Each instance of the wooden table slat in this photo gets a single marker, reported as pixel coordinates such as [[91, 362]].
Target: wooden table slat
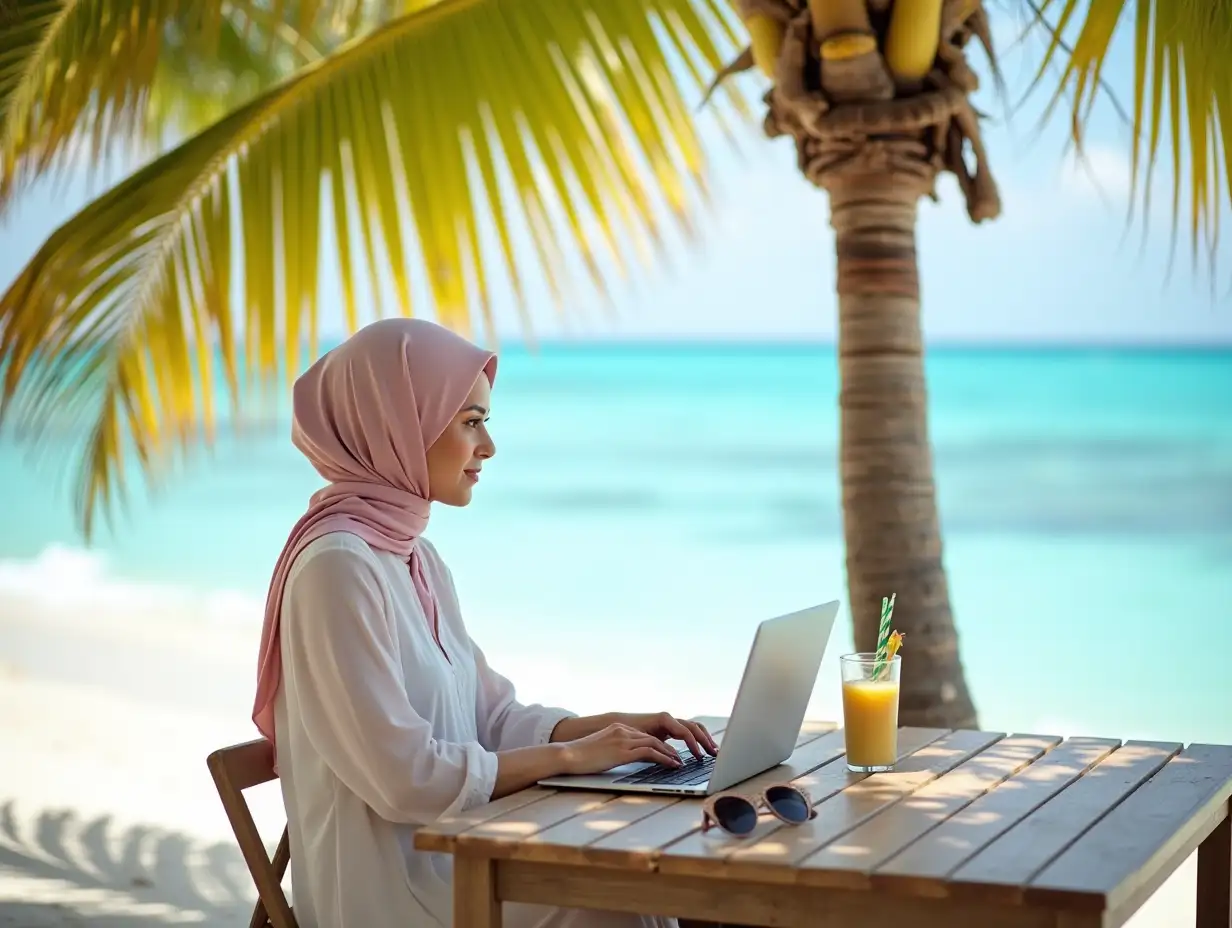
[[442, 834], [774, 851], [561, 841], [947, 847], [523, 824], [1175, 807], [697, 852], [812, 729], [1003, 868], [639, 843], [835, 790], [856, 805], [867, 846]]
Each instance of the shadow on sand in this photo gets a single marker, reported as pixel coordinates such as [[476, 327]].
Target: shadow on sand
[[60, 869]]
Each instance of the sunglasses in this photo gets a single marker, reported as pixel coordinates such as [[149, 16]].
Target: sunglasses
[[737, 814]]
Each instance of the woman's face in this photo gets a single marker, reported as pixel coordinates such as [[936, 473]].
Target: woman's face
[[455, 459]]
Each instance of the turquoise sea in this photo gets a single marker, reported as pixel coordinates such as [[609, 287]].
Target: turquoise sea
[[649, 503]]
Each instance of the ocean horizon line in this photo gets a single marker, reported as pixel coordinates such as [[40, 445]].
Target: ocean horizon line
[[779, 343], [788, 344]]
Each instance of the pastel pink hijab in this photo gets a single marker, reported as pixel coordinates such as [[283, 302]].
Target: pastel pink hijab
[[365, 415]]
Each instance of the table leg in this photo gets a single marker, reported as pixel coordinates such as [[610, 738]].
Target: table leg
[[475, 904], [1215, 877]]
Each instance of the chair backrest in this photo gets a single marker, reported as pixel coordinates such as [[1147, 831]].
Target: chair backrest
[[236, 769]]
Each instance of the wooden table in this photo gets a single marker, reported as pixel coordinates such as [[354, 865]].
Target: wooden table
[[972, 828]]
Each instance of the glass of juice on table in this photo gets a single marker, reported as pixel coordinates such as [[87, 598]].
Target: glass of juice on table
[[870, 711]]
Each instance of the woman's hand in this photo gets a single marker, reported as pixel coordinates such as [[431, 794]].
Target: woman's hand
[[615, 745], [665, 725]]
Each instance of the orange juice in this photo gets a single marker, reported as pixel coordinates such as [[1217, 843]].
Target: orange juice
[[870, 722]]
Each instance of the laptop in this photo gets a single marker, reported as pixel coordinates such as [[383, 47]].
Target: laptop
[[765, 721]]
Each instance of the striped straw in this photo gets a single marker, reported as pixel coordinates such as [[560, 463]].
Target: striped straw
[[883, 636]]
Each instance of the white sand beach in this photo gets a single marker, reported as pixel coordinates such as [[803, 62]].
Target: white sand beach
[[108, 816]]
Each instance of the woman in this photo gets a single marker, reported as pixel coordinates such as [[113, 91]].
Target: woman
[[384, 714]]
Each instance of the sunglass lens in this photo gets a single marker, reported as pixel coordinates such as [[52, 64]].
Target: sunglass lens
[[735, 814], [788, 804]]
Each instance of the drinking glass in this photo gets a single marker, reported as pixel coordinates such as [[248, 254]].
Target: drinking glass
[[870, 711]]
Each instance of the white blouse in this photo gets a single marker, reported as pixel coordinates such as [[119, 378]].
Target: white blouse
[[379, 732]]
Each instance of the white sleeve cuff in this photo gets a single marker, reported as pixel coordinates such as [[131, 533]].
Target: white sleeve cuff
[[481, 771], [548, 721]]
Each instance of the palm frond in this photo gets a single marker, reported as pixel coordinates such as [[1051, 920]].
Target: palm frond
[[197, 83], [76, 70], [1182, 77], [82, 72], [565, 116]]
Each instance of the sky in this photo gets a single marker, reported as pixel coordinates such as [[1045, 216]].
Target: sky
[[1061, 265]]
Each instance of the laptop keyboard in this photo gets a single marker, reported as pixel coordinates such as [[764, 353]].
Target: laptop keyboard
[[693, 771]]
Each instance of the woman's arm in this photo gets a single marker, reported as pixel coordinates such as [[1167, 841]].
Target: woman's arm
[[519, 768], [504, 723], [588, 743], [341, 659]]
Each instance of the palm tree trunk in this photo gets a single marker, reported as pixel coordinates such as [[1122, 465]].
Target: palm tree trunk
[[890, 520]]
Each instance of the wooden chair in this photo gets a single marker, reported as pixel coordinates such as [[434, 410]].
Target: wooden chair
[[236, 769]]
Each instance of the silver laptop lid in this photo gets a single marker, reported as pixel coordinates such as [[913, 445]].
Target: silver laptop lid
[[774, 694]]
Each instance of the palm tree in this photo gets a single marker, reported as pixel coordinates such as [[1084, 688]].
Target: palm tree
[[395, 124]]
